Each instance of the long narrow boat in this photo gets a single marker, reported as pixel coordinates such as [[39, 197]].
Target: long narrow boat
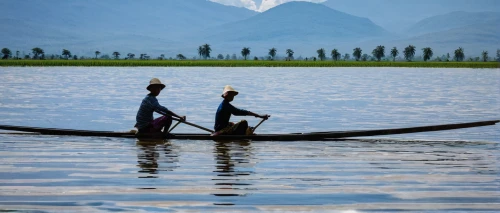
[[262, 137]]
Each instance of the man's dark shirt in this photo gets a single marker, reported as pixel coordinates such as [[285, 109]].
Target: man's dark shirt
[[224, 113]]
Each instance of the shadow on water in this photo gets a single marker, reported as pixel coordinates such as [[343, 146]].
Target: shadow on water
[[151, 154], [233, 167]]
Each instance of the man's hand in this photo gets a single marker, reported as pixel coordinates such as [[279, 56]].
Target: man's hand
[[265, 116], [182, 118]]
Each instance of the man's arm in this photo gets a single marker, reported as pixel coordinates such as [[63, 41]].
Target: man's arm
[[264, 116], [164, 111], [182, 118], [236, 111]]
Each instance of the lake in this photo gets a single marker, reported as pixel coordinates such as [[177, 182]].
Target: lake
[[453, 170]]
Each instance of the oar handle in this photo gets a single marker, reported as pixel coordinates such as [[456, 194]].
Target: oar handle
[[192, 124]]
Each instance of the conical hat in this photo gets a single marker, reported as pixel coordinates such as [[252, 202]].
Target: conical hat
[[155, 81], [228, 88]]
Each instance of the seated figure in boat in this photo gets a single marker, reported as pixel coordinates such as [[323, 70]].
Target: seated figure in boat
[[146, 124], [226, 109]]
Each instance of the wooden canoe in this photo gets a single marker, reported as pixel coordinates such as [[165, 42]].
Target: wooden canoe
[[261, 137]]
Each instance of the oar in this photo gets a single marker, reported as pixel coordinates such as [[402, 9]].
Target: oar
[[192, 124], [258, 124], [178, 122]]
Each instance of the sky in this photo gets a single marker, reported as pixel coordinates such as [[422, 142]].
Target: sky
[[259, 5]]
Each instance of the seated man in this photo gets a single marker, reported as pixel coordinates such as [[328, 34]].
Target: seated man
[[222, 125], [145, 122]]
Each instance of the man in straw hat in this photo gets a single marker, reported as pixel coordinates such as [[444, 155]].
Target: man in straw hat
[[222, 125], [145, 122]]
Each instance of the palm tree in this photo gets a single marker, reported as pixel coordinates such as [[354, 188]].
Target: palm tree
[[200, 51], [321, 54], [66, 53], [379, 52], [180, 57], [6, 53], [131, 55], [97, 53], [206, 50], [357, 53], [459, 54], [272, 53], [485, 56], [116, 54], [245, 52], [394, 53], [37, 52], [427, 53], [335, 54], [409, 52], [289, 53]]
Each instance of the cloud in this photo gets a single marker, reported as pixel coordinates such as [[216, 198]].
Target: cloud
[[250, 4], [265, 5]]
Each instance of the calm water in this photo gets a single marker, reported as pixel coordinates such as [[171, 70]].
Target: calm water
[[454, 170]]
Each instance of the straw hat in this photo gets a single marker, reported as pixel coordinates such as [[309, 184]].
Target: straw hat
[[155, 81], [228, 88]]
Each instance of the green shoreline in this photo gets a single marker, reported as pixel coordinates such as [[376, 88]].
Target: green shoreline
[[240, 63]]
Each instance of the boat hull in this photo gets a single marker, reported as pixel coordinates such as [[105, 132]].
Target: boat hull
[[261, 137]]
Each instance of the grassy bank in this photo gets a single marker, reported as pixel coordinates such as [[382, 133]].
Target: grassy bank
[[240, 63]]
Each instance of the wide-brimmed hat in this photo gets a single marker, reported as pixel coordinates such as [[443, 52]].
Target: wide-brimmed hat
[[228, 88], [155, 81]]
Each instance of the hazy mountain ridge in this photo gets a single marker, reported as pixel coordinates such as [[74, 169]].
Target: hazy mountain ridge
[[470, 37], [458, 19], [173, 27], [397, 15], [308, 22], [31, 23]]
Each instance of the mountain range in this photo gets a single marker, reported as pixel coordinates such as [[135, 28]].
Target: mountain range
[[398, 15], [171, 27]]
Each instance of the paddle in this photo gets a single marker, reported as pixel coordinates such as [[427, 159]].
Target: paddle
[[174, 126], [194, 125], [262, 121]]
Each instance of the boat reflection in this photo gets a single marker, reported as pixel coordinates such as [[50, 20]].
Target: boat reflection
[[233, 166], [150, 153]]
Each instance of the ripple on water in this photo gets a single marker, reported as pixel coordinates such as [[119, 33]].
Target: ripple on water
[[438, 171]]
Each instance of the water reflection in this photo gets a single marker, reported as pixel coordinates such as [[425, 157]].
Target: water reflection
[[233, 167], [155, 156]]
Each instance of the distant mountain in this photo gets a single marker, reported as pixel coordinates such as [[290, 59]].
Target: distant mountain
[[299, 22], [171, 27], [455, 20], [398, 15], [473, 38], [122, 23]]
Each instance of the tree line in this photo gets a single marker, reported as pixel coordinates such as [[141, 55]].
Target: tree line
[[204, 51]]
